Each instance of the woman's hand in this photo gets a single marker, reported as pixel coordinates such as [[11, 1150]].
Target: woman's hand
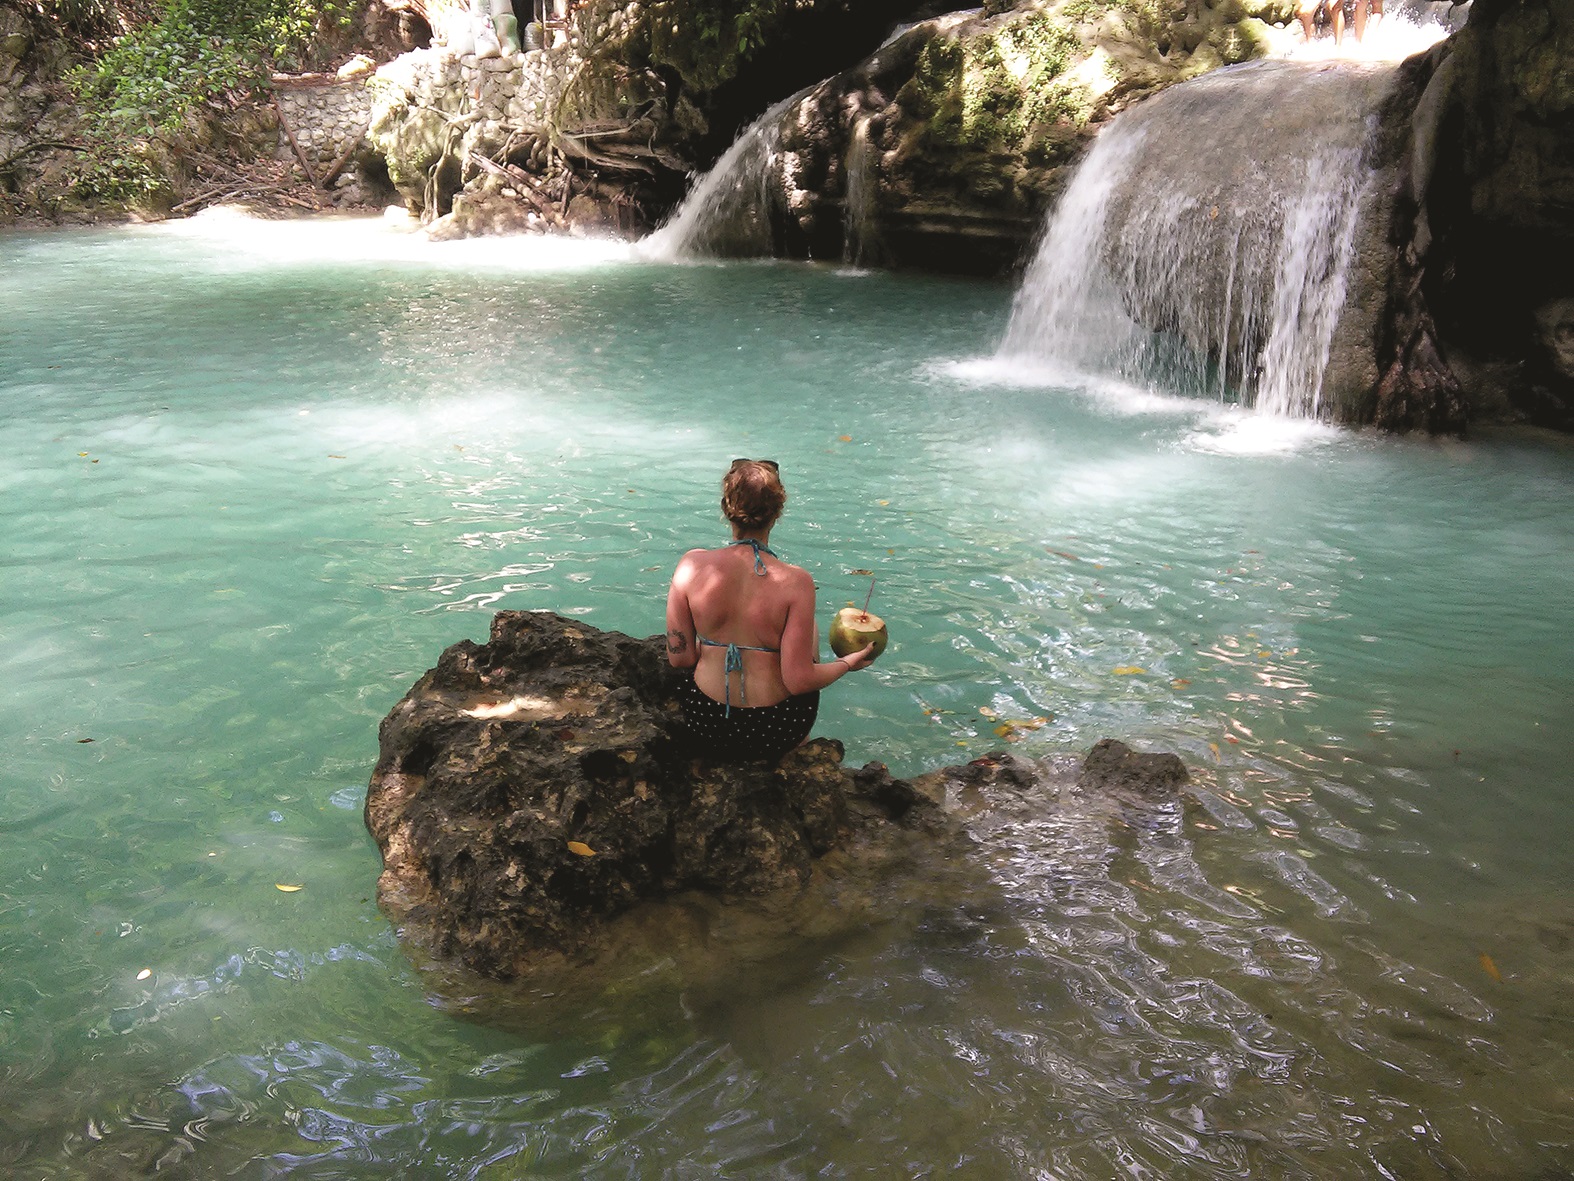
[[859, 659]]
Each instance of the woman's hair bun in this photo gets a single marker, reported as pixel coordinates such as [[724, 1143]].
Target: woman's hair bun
[[752, 496]]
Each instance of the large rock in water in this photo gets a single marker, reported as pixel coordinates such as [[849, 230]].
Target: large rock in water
[[533, 787]]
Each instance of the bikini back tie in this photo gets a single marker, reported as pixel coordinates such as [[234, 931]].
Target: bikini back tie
[[759, 562]]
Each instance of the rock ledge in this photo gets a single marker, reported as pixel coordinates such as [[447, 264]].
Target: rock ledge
[[533, 787]]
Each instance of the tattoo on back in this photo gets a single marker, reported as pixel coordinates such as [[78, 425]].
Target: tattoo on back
[[677, 642]]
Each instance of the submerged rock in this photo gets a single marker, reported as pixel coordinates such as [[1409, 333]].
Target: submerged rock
[[532, 788]]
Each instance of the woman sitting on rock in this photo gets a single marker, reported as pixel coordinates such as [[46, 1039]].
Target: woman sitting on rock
[[743, 620]]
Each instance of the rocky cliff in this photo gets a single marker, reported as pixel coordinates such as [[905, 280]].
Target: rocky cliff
[[1488, 246], [943, 148]]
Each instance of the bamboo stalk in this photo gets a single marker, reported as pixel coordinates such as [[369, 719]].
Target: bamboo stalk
[[290, 135], [338, 165]]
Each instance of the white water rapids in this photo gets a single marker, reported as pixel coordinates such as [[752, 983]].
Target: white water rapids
[[1205, 243]]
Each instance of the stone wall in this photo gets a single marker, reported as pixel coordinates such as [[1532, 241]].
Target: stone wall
[[328, 116]]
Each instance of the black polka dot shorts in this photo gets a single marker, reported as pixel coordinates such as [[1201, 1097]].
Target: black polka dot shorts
[[751, 732]]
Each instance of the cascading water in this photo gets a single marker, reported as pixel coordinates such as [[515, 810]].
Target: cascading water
[[1206, 241], [858, 220], [728, 211]]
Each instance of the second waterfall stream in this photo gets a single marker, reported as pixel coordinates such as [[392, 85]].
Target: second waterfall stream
[[1204, 245]]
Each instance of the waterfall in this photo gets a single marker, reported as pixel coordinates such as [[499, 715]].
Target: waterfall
[[858, 221], [728, 211], [1205, 243]]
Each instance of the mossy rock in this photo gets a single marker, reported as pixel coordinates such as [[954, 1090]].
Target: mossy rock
[[989, 90], [411, 139], [1274, 12], [1241, 41]]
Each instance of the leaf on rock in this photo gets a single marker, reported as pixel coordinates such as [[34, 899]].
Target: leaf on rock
[[1214, 747], [628, 756], [565, 735], [580, 848]]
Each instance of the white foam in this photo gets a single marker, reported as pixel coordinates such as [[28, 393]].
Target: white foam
[[1107, 392], [252, 241], [1235, 431], [1398, 35]]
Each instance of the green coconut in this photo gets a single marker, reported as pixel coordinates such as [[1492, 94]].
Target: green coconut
[[853, 629]]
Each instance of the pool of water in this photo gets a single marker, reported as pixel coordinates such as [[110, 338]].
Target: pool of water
[[258, 475]]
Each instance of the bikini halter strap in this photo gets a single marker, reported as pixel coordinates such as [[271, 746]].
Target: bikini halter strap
[[759, 562]]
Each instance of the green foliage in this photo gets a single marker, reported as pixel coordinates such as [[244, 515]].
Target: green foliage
[[991, 90], [192, 52], [707, 41]]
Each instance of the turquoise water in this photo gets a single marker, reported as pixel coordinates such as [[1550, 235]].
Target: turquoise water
[[258, 475]]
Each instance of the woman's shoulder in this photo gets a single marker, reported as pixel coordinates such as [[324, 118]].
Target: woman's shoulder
[[795, 577]]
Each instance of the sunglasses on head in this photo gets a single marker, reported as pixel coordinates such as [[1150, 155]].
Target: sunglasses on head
[[770, 463]]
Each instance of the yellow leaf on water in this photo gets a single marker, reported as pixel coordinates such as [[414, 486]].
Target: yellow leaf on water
[[283, 889], [82, 454], [987, 712], [581, 848], [882, 503], [1490, 968], [1264, 654], [861, 573], [1128, 670], [845, 438], [144, 974], [1179, 683]]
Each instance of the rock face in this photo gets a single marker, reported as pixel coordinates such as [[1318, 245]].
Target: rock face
[[530, 788], [37, 118], [945, 147], [941, 149], [1489, 245]]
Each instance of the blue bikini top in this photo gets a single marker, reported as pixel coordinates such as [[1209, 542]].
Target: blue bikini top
[[735, 651]]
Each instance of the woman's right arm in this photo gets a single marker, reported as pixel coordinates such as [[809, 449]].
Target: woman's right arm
[[800, 672], [682, 649]]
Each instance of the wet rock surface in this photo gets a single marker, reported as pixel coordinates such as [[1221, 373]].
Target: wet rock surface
[[1485, 232], [532, 788]]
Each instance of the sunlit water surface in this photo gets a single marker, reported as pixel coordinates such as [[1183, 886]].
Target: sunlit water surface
[[257, 476]]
